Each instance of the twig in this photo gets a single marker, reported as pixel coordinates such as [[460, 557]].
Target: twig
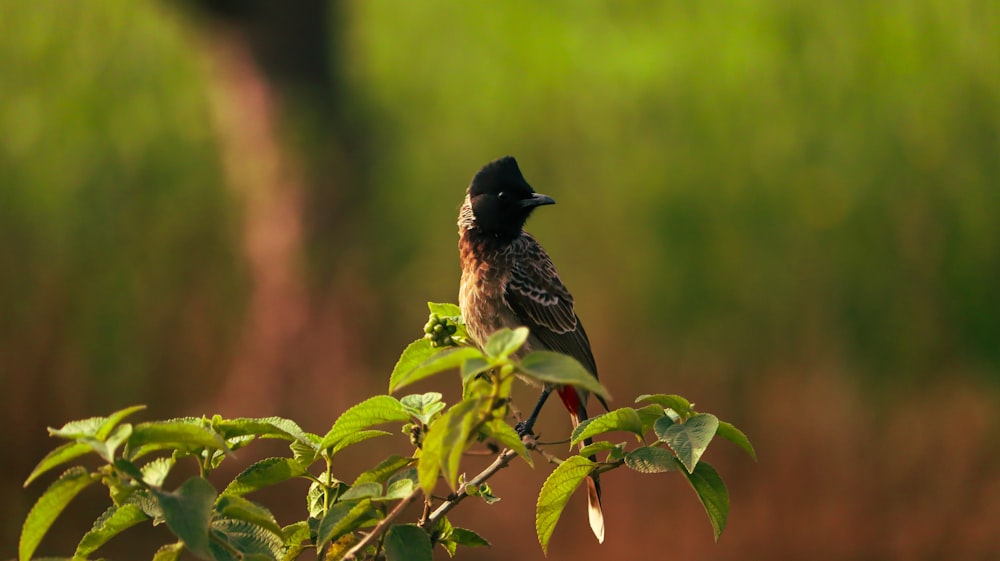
[[531, 444], [501, 462], [382, 526]]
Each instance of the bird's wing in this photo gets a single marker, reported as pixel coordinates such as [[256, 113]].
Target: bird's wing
[[540, 300]]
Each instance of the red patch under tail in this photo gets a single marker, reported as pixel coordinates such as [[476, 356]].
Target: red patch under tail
[[571, 400]]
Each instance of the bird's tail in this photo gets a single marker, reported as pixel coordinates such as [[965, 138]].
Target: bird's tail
[[594, 511], [578, 412]]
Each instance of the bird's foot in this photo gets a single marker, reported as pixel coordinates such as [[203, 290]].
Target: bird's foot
[[523, 429]]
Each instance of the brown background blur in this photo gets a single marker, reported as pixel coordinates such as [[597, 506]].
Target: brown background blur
[[785, 211]]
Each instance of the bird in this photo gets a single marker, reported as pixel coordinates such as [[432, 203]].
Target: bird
[[508, 281]]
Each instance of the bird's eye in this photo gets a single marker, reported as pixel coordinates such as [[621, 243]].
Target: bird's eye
[[502, 195]]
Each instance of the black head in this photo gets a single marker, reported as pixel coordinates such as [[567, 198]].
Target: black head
[[501, 199]]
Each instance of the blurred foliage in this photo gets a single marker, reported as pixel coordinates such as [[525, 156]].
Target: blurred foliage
[[785, 192], [755, 177], [119, 246]]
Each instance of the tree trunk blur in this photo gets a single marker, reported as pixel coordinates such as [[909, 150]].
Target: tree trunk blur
[[280, 108]]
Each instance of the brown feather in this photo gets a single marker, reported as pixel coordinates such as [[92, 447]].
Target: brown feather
[[508, 281]]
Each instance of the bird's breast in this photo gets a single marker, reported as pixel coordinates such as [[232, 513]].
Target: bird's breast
[[481, 295]]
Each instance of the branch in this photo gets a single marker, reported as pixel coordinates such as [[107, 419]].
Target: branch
[[531, 444], [382, 526], [501, 462]]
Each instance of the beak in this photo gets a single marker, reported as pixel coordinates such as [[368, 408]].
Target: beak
[[537, 199]]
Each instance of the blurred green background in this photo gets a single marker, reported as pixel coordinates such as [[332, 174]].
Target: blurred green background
[[785, 211]]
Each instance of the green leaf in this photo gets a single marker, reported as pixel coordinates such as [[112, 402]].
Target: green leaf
[[356, 437], [304, 454], [106, 448], [447, 310], [442, 361], [413, 356], [113, 419], [423, 406], [68, 451], [736, 436], [253, 542], [503, 433], [560, 369], [496, 385], [444, 444], [440, 532], [555, 493], [114, 521], [504, 342], [268, 471], [649, 415], [321, 491], [144, 499], [596, 447], [677, 403], [617, 453], [188, 511], [156, 471], [483, 491], [49, 506], [688, 439], [179, 434], [373, 411], [384, 470], [474, 367], [712, 493], [625, 419], [408, 542], [95, 427], [128, 468], [295, 537], [399, 489], [78, 429], [241, 545], [171, 552], [361, 491], [468, 538], [295, 532], [264, 427], [408, 473], [341, 519], [651, 459], [234, 506]]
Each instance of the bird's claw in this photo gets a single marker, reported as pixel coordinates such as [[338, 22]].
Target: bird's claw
[[522, 429]]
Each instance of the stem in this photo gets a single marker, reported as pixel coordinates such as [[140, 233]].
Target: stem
[[603, 467], [382, 526], [426, 512], [326, 485], [535, 446], [428, 520], [501, 462], [203, 465]]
